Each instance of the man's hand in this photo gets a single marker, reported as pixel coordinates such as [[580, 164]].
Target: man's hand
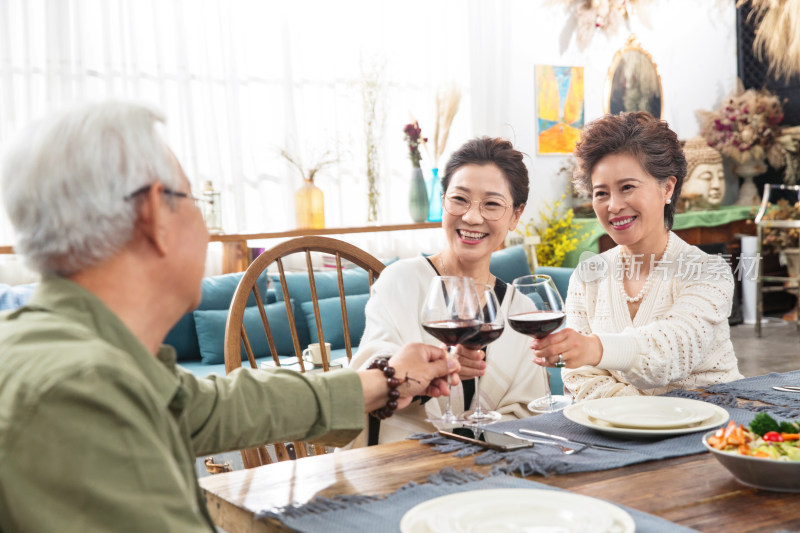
[[421, 369]]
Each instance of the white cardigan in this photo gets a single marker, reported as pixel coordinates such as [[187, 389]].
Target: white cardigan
[[679, 337], [393, 312]]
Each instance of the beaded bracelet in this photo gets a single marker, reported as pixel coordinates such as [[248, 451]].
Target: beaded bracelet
[[388, 371]]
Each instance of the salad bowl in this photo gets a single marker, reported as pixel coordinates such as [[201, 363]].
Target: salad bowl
[[758, 472]]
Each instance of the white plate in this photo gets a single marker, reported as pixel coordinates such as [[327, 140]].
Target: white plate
[[576, 414], [648, 412], [518, 510]]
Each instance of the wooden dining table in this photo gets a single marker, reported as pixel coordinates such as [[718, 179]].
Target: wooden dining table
[[694, 491]]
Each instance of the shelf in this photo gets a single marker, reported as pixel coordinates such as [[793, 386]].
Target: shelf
[[235, 253], [322, 231]]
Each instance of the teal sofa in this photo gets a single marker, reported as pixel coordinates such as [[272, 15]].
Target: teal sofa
[[198, 337]]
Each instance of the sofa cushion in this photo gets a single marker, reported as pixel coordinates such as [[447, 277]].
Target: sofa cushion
[[218, 291], [356, 281], [217, 294], [510, 263], [330, 311], [560, 277], [14, 296], [210, 326]]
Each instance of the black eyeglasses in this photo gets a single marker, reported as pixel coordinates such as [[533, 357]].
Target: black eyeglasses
[[199, 202]]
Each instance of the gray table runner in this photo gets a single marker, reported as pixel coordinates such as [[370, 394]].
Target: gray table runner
[[348, 513], [547, 460], [784, 404], [369, 513]]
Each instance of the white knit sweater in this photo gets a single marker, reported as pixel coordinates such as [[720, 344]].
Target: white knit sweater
[[393, 312], [679, 337]]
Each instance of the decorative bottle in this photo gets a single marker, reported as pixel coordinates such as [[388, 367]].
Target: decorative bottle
[[309, 206]]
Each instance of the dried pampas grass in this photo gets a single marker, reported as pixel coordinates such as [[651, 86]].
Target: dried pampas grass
[[447, 101], [777, 24]]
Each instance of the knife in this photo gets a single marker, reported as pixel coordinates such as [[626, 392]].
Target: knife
[[564, 439], [788, 388]]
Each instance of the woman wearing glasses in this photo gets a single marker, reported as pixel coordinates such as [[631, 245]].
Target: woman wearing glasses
[[485, 188]]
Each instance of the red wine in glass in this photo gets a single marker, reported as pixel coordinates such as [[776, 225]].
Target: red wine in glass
[[452, 314], [537, 324], [491, 328], [452, 332], [486, 335], [541, 312]]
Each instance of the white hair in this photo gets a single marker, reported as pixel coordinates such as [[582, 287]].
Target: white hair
[[65, 179]]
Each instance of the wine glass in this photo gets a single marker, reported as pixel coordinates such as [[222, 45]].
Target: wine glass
[[452, 313], [491, 329], [547, 316]]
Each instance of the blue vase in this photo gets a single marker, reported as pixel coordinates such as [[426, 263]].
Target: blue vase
[[435, 197], [418, 197]]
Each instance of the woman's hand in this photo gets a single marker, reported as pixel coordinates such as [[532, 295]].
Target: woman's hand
[[472, 363], [576, 349], [421, 369]]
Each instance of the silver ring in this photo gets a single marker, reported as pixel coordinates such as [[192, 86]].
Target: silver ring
[[560, 363]]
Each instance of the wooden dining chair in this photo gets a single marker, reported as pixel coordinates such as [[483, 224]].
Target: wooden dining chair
[[248, 290]]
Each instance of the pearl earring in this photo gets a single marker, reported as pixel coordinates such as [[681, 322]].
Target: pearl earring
[[669, 201]]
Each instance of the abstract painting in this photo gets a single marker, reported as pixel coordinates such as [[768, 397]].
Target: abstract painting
[[559, 108]]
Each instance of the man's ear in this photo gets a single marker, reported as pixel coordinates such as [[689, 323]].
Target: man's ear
[[151, 221]]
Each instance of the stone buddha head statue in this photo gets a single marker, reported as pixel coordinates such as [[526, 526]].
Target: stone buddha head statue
[[704, 186]]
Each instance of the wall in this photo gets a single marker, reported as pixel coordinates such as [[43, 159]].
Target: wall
[[693, 44]]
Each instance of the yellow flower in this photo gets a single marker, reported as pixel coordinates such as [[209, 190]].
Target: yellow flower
[[555, 230]]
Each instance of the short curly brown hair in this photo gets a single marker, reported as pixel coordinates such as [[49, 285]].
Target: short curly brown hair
[[640, 135]]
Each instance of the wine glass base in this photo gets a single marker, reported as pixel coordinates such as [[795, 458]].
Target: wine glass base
[[471, 418], [447, 420], [553, 404]]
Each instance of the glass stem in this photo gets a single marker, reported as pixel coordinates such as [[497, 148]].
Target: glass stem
[[477, 413], [448, 413], [547, 386]]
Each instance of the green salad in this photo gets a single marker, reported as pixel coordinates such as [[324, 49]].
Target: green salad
[[765, 437]]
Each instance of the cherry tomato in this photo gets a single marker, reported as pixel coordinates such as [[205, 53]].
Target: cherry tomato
[[773, 436]]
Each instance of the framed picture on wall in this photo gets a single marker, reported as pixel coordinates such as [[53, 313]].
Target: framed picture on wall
[[559, 108], [633, 82]]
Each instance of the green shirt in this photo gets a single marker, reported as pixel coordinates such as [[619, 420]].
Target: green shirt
[[98, 434]]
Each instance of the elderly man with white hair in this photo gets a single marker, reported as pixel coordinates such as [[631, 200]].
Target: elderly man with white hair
[[99, 428]]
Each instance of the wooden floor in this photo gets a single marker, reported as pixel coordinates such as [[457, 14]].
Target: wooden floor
[[778, 349]]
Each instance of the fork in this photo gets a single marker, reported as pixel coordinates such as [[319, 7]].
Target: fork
[[564, 449]]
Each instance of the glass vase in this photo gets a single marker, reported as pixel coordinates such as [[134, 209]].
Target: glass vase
[[309, 205], [418, 197], [435, 197]]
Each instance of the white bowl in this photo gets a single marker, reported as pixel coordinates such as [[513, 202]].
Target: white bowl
[[758, 472]]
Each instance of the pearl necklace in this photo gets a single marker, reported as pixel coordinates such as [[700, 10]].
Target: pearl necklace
[[649, 280], [444, 270]]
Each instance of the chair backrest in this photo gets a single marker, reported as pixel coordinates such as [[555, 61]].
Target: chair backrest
[[236, 335]]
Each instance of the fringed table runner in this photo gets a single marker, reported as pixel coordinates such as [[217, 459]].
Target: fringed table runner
[[547, 460], [371, 513], [783, 404]]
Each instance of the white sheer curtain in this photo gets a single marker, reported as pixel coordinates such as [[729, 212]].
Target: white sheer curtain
[[241, 79]]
